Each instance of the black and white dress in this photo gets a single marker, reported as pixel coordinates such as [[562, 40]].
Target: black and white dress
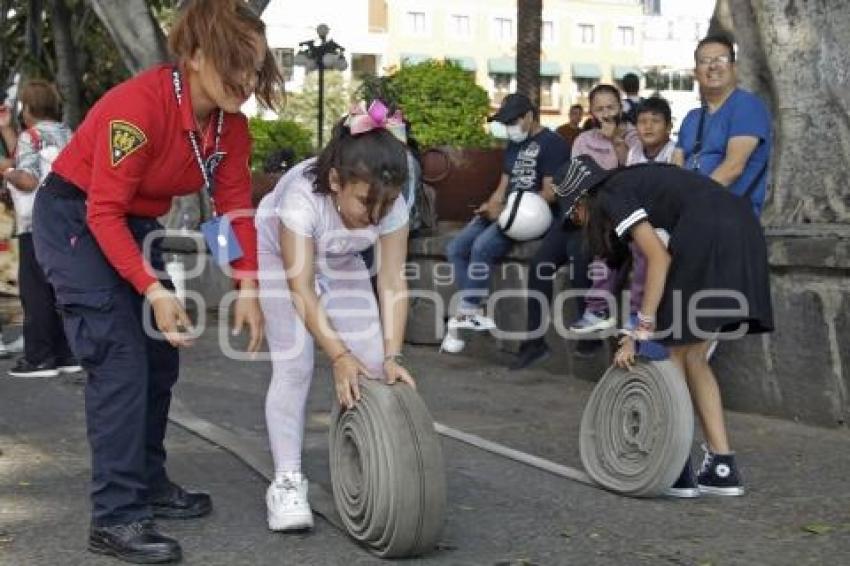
[[718, 277]]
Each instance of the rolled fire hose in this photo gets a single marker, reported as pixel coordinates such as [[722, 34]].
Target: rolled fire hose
[[387, 472], [637, 429]]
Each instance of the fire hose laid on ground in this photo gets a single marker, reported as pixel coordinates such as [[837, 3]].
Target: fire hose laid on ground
[[637, 429], [387, 471]]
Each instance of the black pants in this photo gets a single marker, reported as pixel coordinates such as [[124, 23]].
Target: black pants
[[44, 335], [130, 372], [560, 245]]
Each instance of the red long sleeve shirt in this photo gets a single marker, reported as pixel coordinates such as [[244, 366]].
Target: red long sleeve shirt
[[132, 154]]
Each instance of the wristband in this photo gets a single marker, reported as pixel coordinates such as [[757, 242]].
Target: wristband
[[393, 357]]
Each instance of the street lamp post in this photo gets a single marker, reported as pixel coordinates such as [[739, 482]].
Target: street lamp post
[[326, 54]]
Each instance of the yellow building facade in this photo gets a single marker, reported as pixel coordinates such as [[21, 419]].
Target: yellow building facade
[[584, 42]]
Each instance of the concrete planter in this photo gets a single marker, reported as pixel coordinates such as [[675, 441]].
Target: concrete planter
[[462, 178]]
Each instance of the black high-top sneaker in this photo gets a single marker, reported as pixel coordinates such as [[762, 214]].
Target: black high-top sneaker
[[719, 475], [686, 486]]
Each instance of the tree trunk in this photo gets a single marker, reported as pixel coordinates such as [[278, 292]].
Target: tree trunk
[[136, 34], [529, 28], [67, 69], [33, 37], [794, 54]]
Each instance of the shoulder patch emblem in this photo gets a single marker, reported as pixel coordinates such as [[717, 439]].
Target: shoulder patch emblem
[[124, 139]]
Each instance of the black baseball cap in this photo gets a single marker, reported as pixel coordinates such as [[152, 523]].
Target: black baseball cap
[[575, 178], [513, 106]]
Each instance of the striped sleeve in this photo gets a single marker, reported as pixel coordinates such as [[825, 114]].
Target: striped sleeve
[[623, 208]]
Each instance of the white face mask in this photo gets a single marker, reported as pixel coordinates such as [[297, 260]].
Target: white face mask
[[516, 134]]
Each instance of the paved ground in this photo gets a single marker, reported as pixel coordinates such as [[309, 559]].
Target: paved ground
[[500, 512]]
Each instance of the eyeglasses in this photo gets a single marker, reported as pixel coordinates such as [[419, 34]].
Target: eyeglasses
[[721, 60]]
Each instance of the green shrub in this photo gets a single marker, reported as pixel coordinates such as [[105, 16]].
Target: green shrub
[[443, 104], [271, 135]]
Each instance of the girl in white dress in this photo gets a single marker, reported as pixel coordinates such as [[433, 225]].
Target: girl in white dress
[[315, 287]]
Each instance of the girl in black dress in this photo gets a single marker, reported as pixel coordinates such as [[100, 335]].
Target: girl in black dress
[[711, 283]]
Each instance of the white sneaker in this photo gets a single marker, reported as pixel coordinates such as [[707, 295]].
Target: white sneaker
[[591, 322], [474, 321], [451, 343], [16, 346], [286, 500]]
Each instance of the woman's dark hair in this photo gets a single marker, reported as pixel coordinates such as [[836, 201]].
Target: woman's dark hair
[[42, 100], [375, 157], [655, 105], [226, 31], [603, 88], [599, 231]]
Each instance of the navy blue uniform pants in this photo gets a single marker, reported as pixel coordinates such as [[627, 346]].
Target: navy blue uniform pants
[[44, 336], [130, 374]]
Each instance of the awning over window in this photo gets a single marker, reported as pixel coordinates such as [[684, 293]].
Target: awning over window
[[586, 71], [507, 66], [414, 58], [620, 70], [550, 69], [465, 63], [501, 66]]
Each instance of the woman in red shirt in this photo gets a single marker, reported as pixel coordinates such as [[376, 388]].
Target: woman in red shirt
[[167, 132]]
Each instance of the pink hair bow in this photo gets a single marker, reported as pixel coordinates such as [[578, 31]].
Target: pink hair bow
[[360, 120]]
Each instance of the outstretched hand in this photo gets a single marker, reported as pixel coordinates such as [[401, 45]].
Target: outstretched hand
[[347, 370], [394, 372]]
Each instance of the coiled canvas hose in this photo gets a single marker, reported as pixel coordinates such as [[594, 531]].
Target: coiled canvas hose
[[387, 472], [637, 429]]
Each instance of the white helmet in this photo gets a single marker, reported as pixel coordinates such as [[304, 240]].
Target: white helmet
[[526, 216]]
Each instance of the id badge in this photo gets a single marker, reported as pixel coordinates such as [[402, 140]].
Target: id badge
[[221, 240]]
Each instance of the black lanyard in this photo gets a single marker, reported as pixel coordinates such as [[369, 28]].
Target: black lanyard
[[209, 166], [697, 150]]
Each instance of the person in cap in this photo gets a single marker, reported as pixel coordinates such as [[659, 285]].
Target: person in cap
[[712, 283], [532, 156]]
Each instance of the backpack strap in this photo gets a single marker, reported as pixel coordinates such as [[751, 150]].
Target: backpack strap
[[35, 136]]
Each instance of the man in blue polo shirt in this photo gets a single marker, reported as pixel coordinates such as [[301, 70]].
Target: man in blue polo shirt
[[729, 137]]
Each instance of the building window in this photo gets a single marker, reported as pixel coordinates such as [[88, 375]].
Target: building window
[[547, 33], [283, 56], [548, 98], [501, 87], [652, 7], [671, 29], [682, 80], [584, 85], [504, 29], [460, 25], [378, 15], [587, 33], [625, 36], [660, 80], [416, 22], [364, 65]]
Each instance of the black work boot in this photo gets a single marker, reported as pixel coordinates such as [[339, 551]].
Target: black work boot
[[174, 502], [138, 542]]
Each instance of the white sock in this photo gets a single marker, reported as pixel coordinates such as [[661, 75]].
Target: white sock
[[294, 476]]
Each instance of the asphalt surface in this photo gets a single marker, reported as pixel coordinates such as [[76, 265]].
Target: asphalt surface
[[797, 510]]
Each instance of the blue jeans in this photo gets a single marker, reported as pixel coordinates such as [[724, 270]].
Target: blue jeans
[[472, 252]]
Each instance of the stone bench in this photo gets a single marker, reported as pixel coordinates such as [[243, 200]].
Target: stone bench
[[801, 371], [433, 298]]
